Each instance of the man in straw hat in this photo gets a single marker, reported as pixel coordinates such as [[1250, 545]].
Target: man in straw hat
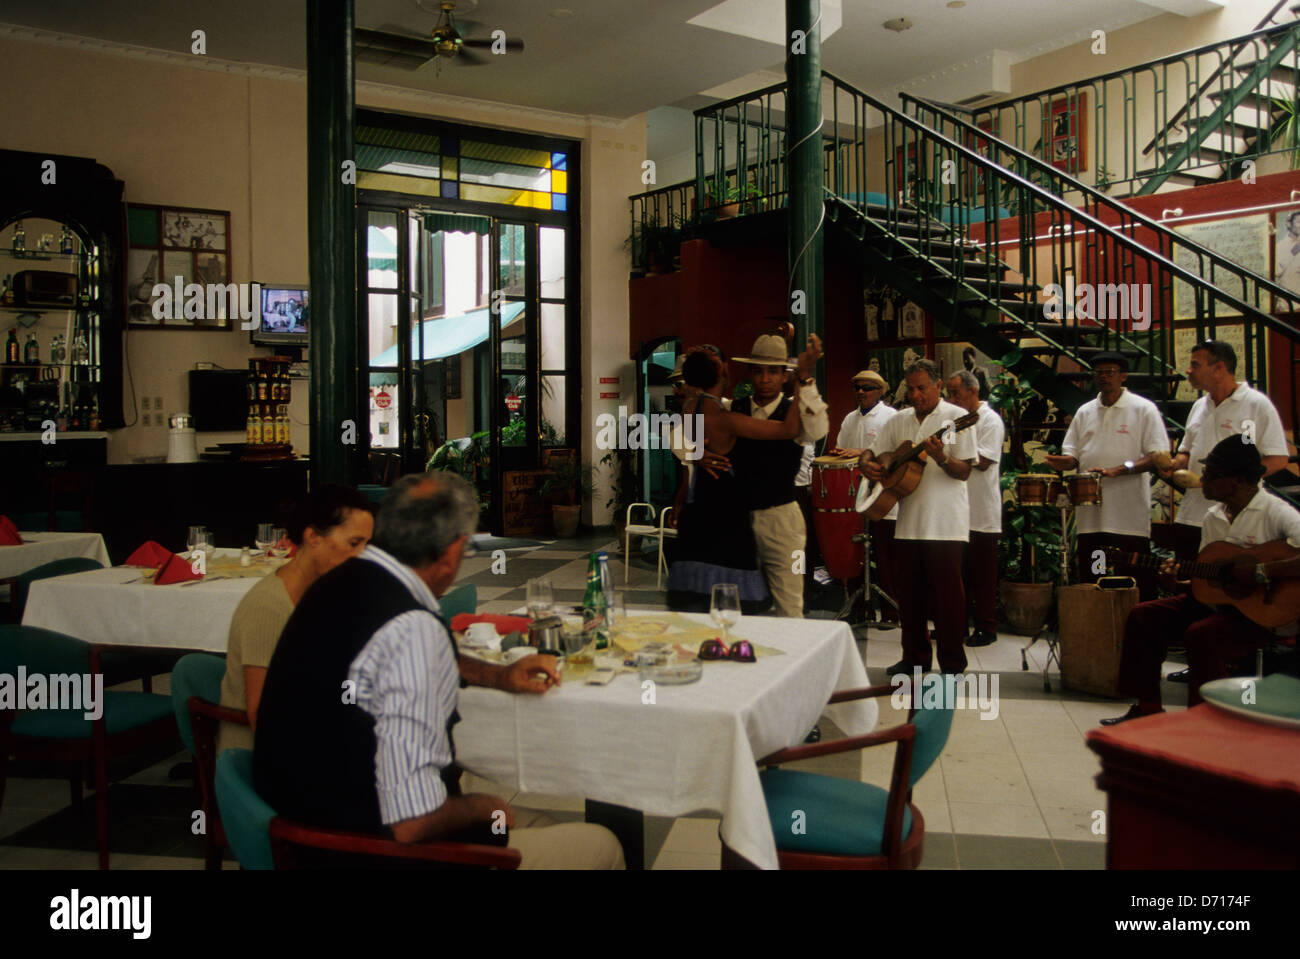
[[768, 468]]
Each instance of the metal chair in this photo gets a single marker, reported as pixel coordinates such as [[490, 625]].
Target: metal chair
[[656, 532]]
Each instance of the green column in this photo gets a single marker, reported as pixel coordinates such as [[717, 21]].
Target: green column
[[803, 156], [336, 394]]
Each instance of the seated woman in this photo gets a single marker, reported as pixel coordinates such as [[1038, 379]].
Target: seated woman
[[715, 542], [331, 525]]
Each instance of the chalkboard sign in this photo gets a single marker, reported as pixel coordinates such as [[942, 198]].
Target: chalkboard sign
[[1243, 240], [523, 509]]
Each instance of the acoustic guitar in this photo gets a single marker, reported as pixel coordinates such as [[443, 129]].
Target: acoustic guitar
[[906, 466], [1218, 572]]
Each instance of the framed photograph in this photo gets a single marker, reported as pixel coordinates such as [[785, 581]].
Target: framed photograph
[[1244, 240], [1065, 133], [167, 243], [913, 322], [1286, 253]]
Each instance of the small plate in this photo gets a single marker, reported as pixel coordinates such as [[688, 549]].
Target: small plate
[[677, 674], [1277, 699]]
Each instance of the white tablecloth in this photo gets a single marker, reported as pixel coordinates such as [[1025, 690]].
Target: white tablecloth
[[113, 606], [694, 749], [37, 549]]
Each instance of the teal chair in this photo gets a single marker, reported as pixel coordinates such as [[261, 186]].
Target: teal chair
[[373, 492], [196, 695], [128, 721], [462, 599], [262, 840], [850, 824]]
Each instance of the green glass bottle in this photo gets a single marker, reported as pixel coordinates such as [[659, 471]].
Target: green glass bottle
[[594, 608]]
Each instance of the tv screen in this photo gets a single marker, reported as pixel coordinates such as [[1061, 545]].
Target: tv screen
[[283, 316]]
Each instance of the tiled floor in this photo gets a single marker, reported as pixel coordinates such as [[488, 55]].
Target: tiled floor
[[1014, 791]]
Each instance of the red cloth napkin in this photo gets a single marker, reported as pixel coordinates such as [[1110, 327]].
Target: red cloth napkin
[[286, 543], [505, 624], [9, 533], [149, 554], [175, 570]]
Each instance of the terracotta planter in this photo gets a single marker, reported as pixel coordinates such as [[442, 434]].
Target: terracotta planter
[[728, 210], [566, 520], [1027, 605]]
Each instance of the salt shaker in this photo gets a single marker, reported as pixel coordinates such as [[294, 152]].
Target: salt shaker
[[245, 557]]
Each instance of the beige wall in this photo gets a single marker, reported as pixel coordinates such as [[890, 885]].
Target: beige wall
[[234, 138]]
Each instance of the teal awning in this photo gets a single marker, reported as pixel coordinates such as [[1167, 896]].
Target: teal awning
[[457, 223], [451, 335]]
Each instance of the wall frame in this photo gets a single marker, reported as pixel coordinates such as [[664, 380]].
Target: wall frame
[[167, 242]]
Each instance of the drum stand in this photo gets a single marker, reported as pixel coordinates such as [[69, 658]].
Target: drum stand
[[1051, 632], [867, 586]]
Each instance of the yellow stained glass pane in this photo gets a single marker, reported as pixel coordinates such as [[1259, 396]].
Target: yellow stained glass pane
[[424, 186], [449, 167], [497, 194], [559, 181]]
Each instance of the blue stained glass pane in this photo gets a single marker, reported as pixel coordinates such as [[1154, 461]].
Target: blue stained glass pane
[[559, 161], [559, 201], [450, 189]]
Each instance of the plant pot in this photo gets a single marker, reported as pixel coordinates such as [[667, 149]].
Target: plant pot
[[728, 210], [566, 520], [1027, 605]]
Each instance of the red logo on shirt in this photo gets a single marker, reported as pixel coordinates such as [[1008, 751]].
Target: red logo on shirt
[[1123, 428]]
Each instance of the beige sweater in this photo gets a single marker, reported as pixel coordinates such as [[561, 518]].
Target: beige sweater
[[255, 629]]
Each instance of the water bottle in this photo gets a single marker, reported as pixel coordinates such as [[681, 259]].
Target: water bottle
[[595, 607]]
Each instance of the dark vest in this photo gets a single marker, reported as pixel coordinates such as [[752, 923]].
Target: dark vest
[[314, 754], [766, 468]]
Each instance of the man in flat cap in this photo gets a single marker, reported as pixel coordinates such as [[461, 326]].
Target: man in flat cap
[[1241, 514], [1115, 435]]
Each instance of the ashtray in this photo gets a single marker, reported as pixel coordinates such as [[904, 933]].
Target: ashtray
[[674, 674]]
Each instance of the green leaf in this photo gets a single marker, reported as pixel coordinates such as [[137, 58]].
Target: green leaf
[[1011, 358]]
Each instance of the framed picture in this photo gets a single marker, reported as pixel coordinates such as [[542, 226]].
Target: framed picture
[[1065, 133], [171, 245], [907, 172], [1244, 240], [913, 326], [1286, 254]]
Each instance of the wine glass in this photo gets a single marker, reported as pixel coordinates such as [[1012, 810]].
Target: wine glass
[[724, 607], [541, 598], [279, 544], [263, 540], [194, 539]]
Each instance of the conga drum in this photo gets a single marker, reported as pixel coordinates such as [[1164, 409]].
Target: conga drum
[[1084, 489], [834, 491]]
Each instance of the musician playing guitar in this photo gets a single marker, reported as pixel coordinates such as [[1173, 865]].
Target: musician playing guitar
[[933, 521], [1243, 515]]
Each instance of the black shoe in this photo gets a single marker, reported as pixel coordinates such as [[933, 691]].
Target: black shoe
[[1179, 677], [1133, 713], [815, 736], [900, 668], [981, 638]]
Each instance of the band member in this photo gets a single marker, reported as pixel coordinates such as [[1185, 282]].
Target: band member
[[767, 468], [985, 490], [1241, 514], [933, 522], [1115, 435], [858, 431], [1227, 408]]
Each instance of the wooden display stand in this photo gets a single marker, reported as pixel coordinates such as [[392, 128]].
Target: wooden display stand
[[268, 410]]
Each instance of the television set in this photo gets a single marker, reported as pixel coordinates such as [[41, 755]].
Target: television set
[[282, 316]]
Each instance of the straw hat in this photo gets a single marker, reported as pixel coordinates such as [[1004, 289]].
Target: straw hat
[[768, 350], [676, 374], [872, 377]]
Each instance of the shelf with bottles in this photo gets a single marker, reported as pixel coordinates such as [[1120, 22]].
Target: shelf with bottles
[[19, 249]]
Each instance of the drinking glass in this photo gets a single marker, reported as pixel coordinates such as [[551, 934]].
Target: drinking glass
[[209, 545], [194, 538], [279, 546], [263, 539], [724, 607], [618, 611], [541, 598]]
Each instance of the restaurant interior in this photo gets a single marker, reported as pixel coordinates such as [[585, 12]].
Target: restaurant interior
[[282, 246]]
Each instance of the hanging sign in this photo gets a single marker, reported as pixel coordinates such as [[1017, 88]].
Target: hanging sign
[[383, 400], [513, 403]]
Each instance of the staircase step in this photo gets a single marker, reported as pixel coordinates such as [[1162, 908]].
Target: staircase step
[[1006, 289], [971, 265], [1082, 352]]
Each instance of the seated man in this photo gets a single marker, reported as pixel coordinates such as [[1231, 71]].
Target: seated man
[[1244, 515], [354, 730]]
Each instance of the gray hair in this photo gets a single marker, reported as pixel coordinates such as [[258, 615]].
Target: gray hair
[[967, 379], [423, 514], [928, 367]]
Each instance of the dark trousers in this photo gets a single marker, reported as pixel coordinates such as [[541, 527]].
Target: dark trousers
[[886, 576], [1187, 541], [981, 579], [1213, 640], [1089, 543], [929, 580]]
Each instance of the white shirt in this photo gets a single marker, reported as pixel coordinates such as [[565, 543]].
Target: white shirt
[[1100, 437], [859, 431], [985, 491], [804, 476], [1208, 423], [939, 508], [1265, 518], [813, 421]]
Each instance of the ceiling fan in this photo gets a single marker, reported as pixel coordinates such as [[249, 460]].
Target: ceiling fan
[[444, 42]]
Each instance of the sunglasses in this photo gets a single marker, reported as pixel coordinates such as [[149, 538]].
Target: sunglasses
[[865, 389], [741, 651]]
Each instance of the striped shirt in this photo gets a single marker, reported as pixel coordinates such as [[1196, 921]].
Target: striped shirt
[[406, 679]]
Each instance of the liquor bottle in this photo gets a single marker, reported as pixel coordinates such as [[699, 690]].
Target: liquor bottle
[[281, 429], [268, 427], [254, 429], [93, 416], [80, 349], [65, 241], [12, 351], [74, 420], [594, 608], [263, 391], [20, 238], [31, 351]]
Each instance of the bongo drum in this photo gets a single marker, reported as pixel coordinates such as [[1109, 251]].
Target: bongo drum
[[834, 489], [1034, 489], [1084, 489]]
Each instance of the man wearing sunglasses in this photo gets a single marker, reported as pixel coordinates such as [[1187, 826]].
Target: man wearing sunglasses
[[1244, 515], [857, 434], [1115, 435]]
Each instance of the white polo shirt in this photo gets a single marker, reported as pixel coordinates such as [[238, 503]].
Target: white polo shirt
[[939, 509], [859, 431], [1265, 518], [984, 489], [1100, 437], [1208, 423]]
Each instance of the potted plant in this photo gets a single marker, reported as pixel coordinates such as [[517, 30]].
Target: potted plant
[[655, 245], [727, 202], [1029, 552], [467, 458], [569, 485], [622, 488]]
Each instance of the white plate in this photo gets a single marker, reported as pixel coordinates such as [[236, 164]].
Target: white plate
[[1232, 685]]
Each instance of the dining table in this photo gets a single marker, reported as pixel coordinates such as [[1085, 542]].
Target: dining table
[[39, 548], [672, 750], [120, 605]]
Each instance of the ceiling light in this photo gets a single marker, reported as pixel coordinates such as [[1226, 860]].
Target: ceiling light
[[563, 13], [956, 4], [898, 24]]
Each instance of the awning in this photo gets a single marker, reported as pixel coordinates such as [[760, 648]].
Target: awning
[[451, 335]]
